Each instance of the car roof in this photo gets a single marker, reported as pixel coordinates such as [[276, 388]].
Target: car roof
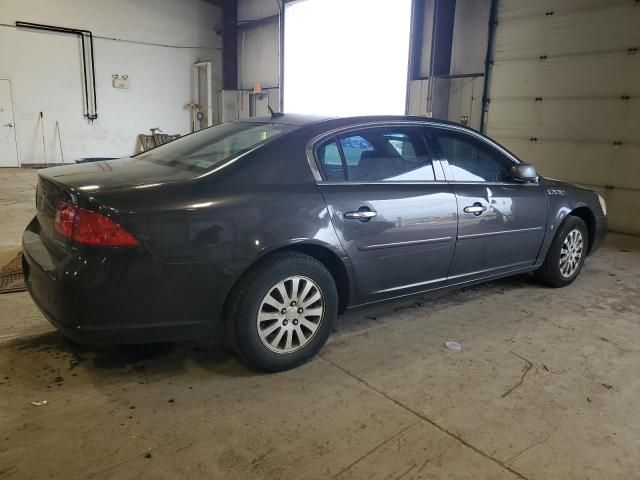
[[320, 124], [301, 120]]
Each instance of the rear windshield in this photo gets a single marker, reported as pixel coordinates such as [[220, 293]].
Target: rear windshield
[[211, 147]]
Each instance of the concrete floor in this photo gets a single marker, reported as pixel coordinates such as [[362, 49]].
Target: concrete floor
[[546, 386]]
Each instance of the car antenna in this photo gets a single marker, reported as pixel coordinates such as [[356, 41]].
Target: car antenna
[[274, 114]]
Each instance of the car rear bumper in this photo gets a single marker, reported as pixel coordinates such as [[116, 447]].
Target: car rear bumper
[[125, 296]]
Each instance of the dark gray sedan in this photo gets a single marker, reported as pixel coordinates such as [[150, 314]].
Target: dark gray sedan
[[259, 232]]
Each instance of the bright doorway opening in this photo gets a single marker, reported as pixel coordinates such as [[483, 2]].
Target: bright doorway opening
[[346, 57]]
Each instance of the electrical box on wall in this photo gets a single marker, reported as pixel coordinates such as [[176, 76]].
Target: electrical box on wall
[[120, 81]]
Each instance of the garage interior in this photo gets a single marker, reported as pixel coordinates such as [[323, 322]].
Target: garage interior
[[545, 384]]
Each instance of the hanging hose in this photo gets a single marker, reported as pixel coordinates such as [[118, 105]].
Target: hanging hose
[[60, 140], [44, 146]]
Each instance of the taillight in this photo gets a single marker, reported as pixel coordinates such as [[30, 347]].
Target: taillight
[[90, 228], [65, 216]]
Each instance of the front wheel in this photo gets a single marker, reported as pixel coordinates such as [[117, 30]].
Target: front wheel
[[282, 312], [566, 254]]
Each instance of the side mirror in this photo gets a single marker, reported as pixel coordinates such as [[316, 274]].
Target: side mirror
[[524, 172]]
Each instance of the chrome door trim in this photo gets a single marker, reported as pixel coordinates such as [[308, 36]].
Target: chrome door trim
[[503, 232], [495, 184], [405, 244], [382, 182], [423, 182]]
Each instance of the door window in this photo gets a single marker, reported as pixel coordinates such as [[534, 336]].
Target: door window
[[387, 155], [330, 162], [471, 159]]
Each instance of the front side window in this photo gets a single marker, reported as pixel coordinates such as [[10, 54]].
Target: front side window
[[386, 154], [211, 147], [471, 159]]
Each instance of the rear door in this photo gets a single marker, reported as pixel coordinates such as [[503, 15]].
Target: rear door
[[501, 221], [392, 210]]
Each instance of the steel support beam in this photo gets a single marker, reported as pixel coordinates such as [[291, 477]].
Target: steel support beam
[[230, 45]]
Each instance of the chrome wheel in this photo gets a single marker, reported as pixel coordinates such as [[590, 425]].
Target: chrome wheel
[[571, 253], [290, 314]]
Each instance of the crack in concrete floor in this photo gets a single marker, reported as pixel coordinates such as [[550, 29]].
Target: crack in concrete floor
[[428, 420]]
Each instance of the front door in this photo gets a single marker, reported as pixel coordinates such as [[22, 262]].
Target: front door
[[394, 218], [8, 151], [501, 222]]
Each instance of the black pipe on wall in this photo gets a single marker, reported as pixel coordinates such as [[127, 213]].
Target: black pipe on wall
[[488, 62], [90, 113]]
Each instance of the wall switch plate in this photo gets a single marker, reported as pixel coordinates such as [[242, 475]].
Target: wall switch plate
[[120, 81]]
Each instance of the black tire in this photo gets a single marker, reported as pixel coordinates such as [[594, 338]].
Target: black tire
[[550, 272], [246, 301]]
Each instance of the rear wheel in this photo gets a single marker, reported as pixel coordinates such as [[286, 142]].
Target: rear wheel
[[566, 254], [282, 312]]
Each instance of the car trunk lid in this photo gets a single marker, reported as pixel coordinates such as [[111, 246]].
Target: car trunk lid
[[115, 174]]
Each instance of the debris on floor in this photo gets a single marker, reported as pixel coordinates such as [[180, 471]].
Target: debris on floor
[[455, 346], [12, 277], [40, 403]]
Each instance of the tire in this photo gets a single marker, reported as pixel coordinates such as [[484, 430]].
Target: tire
[[552, 272], [261, 293]]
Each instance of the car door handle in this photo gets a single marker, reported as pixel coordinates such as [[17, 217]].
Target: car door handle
[[476, 209], [362, 215], [10, 124]]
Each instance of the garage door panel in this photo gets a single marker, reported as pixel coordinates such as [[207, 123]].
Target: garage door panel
[[600, 120], [511, 9], [622, 209], [591, 165], [584, 75], [582, 163], [596, 30], [589, 94]]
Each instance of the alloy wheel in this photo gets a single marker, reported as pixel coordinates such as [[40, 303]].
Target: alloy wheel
[[290, 314], [571, 253]]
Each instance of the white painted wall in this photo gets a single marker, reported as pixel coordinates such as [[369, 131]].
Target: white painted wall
[[155, 42]]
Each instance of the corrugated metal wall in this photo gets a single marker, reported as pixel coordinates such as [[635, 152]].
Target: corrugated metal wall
[[258, 46], [565, 95], [457, 96]]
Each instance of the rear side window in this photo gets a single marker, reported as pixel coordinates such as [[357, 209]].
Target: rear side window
[[387, 155], [353, 147], [376, 155], [213, 146], [330, 162], [471, 159]]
